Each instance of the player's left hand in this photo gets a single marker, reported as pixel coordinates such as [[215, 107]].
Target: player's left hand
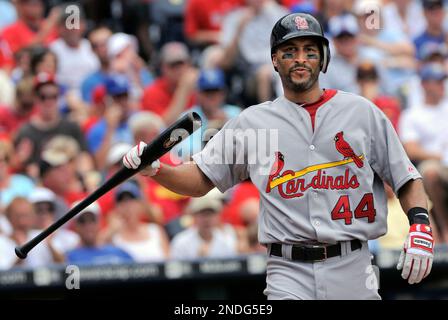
[[417, 255]]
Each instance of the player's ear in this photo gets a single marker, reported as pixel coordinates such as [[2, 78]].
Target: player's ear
[[274, 61]]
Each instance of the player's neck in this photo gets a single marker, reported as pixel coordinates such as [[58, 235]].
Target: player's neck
[[305, 97]]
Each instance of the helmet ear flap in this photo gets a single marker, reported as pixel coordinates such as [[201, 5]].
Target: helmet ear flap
[[325, 58]]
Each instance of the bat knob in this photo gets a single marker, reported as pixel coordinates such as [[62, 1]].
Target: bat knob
[[20, 253]]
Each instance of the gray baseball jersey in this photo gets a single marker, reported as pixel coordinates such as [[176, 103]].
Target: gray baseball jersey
[[325, 184]]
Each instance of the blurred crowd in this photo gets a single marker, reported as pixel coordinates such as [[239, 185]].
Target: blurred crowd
[[82, 82]]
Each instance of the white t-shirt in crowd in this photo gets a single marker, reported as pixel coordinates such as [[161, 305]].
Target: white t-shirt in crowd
[[7, 255], [150, 250], [62, 241], [186, 244], [74, 64], [426, 125]]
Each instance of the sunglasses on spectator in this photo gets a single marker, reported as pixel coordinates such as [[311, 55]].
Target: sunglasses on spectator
[[42, 208], [176, 64], [44, 97], [87, 218]]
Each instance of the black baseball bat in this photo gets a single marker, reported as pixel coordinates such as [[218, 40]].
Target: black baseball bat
[[177, 132]]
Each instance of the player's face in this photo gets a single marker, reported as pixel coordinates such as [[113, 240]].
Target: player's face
[[298, 63]]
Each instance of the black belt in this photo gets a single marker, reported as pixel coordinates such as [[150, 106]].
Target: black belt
[[313, 252]]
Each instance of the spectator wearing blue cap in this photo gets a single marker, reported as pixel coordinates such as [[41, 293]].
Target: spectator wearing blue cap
[[112, 127], [130, 229], [341, 73], [211, 107], [423, 131]]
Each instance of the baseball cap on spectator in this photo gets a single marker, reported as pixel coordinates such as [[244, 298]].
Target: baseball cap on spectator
[[92, 211], [211, 79], [341, 25], [43, 200], [65, 144], [432, 71], [433, 49], [211, 202], [43, 78], [117, 152], [128, 189], [432, 4], [119, 42], [41, 194], [117, 84], [145, 120], [204, 204], [173, 52], [51, 159]]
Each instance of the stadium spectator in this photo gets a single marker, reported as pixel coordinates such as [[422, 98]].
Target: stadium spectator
[[45, 204], [245, 38], [206, 237], [20, 213], [11, 185], [369, 84], [58, 173], [434, 11], [43, 60], [203, 20], [423, 133], [412, 94], [75, 57], [145, 126], [173, 91], [145, 242], [30, 29], [45, 123], [13, 117], [90, 251], [211, 107], [122, 50], [98, 38], [112, 127], [341, 73], [390, 50], [405, 16]]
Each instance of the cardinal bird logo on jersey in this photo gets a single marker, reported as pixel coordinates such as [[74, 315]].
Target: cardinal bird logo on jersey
[[344, 148], [277, 167]]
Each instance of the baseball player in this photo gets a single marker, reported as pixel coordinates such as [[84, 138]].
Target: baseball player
[[323, 198]]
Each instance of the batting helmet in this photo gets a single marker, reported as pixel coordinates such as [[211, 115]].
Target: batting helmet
[[297, 25]]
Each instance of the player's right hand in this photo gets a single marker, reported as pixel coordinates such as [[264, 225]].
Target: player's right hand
[[132, 160]]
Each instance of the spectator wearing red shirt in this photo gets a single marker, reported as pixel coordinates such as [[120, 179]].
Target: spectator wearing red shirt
[[173, 92], [30, 29], [203, 19], [11, 118]]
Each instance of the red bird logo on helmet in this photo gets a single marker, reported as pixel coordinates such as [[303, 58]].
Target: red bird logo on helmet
[[276, 168], [344, 148]]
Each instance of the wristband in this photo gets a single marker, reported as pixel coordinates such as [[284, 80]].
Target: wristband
[[418, 215]]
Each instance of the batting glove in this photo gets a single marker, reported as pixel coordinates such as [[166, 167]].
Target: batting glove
[[132, 160], [417, 255]]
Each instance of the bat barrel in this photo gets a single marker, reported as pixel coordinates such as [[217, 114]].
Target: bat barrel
[[161, 145]]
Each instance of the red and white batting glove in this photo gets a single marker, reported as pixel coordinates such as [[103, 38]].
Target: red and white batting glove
[[417, 255], [132, 160]]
